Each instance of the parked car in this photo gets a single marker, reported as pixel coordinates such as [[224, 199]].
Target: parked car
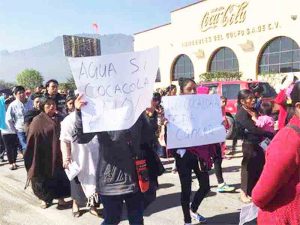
[[230, 89]]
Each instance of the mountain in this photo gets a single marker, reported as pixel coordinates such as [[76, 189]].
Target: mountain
[[49, 59]]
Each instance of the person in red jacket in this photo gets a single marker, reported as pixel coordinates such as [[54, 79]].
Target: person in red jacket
[[277, 193], [282, 101]]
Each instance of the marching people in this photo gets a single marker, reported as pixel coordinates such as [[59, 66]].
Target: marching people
[[86, 157], [32, 113], [9, 137], [171, 90], [149, 144], [257, 91], [15, 115], [38, 92], [70, 104], [52, 92], [43, 158], [225, 152], [2, 148], [253, 155], [277, 192], [153, 115], [2, 125], [283, 100], [194, 159], [121, 169], [220, 150]]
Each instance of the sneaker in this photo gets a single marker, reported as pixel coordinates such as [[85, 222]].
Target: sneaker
[[187, 224], [225, 188], [198, 217], [12, 167]]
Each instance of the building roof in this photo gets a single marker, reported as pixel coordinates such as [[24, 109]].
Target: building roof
[[199, 1], [153, 28]]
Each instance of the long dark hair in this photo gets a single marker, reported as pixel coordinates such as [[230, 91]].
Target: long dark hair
[[182, 82], [243, 95], [170, 88], [266, 108], [295, 96]]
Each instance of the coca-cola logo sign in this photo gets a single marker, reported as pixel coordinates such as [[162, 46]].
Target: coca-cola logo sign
[[224, 16]]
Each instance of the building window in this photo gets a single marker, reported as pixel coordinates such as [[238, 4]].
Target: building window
[[281, 55], [182, 68], [224, 60]]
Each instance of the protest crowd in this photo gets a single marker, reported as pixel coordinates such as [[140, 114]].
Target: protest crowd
[[108, 168]]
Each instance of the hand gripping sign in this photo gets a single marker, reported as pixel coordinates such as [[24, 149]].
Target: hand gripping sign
[[117, 88]]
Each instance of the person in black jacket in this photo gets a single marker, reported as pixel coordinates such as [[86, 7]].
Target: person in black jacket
[[253, 155], [32, 113], [52, 92], [117, 176]]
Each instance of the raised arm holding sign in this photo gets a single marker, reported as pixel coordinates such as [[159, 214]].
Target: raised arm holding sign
[[117, 88]]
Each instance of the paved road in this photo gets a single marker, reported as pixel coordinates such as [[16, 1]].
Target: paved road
[[20, 207]]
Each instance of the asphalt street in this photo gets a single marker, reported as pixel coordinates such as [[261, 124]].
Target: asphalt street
[[21, 207]]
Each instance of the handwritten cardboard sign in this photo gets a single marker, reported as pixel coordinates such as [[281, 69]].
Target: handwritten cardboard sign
[[194, 120], [118, 88]]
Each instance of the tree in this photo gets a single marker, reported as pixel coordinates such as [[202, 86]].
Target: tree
[[68, 86], [30, 78], [71, 83]]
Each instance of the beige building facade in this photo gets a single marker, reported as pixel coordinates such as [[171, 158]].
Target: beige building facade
[[254, 37]]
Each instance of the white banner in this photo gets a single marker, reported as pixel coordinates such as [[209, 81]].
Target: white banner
[[248, 213], [117, 88], [193, 120]]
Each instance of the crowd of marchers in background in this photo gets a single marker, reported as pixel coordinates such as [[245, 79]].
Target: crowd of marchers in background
[[45, 129]]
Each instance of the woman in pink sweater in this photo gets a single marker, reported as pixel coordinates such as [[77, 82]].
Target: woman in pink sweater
[[277, 193]]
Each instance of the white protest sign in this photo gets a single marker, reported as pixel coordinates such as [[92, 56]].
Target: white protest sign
[[117, 88], [248, 213], [193, 120]]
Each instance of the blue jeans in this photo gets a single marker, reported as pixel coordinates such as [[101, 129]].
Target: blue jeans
[[113, 208], [22, 140]]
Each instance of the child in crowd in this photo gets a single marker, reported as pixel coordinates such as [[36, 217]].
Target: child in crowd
[[223, 105], [265, 120], [225, 152]]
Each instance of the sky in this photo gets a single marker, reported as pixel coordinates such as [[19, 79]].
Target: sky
[[28, 23]]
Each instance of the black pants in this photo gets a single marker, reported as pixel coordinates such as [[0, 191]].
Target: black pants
[[11, 143], [234, 142], [185, 166], [113, 208], [150, 195], [218, 164], [2, 147], [252, 166], [77, 193]]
